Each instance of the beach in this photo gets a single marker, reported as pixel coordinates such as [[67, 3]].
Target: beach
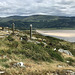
[[68, 35]]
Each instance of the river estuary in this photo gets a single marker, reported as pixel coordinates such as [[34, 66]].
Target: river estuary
[[68, 35]]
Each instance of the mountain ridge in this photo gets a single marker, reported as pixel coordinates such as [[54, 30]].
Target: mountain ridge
[[39, 21]]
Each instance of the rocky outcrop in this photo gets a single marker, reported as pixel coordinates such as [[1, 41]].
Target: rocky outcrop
[[63, 72], [65, 51], [67, 72]]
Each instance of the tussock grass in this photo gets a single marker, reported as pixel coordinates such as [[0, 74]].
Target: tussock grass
[[39, 60]]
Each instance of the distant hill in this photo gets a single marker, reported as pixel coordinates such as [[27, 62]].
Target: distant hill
[[39, 21]]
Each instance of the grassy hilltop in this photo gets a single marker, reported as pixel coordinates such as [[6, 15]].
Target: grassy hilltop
[[38, 54]]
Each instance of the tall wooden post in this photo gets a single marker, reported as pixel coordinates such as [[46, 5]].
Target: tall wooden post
[[30, 31], [13, 27]]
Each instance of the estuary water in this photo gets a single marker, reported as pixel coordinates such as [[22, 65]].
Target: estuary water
[[67, 35]]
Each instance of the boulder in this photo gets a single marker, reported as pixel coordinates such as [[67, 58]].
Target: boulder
[[65, 51], [19, 64]]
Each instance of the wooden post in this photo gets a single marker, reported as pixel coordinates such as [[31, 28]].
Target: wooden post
[[30, 31], [13, 27], [3, 28]]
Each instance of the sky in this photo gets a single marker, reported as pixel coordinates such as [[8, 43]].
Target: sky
[[34, 7]]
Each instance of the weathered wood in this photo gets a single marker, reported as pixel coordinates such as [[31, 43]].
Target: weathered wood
[[13, 28], [30, 31]]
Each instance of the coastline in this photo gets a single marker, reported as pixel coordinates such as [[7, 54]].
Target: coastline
[[67, 35], [60, 34]]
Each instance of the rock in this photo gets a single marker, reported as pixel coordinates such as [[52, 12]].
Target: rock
[[61, 50], [44, 39], [39, 39], [19, 64], [67, 61], [68, 52], [1, 72], [37, 42], [55, 49], [21, 38], [60, 66], [34, 38], [68, 72], [63, 72], [44, 43], [65, 51]]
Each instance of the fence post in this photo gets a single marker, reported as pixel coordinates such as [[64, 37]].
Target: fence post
[[13, 27], [30, 31]]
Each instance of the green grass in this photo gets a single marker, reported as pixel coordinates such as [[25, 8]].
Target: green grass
[[3, 60], [33, 51], [32, 54]]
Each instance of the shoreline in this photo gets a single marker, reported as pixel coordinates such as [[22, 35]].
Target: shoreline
[[67, 35], [60, 34]]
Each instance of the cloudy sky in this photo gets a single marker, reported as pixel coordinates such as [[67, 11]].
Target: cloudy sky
[[33, 7]]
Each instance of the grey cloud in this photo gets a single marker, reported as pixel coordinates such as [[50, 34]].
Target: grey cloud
[[39, 1], [59, 7], [73, 7], [28, 7], [65, 2]]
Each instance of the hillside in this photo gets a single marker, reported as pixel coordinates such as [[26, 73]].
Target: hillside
[[40, 56], [39, 21]]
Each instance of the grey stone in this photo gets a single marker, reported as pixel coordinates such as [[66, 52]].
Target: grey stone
[[44, 43], [19, 64], [34, 38], [55, 49], [1, 72], [37, 42], [65, 51]]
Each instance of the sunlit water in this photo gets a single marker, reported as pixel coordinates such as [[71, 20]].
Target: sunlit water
[[68, 35]]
